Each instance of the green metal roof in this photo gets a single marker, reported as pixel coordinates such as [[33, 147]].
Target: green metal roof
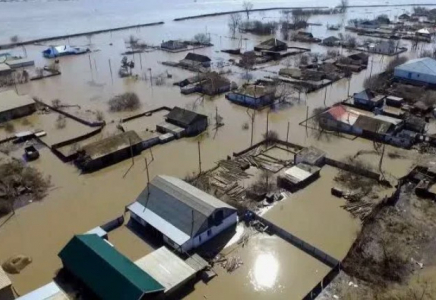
[[105, 271]]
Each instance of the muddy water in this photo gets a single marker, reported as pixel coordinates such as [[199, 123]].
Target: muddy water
[[78, 202]]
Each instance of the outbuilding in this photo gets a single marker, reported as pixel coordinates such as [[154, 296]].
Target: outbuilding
[[193, 123], [14, 106], [272, 44], [421, 71], [182, 215], [368, 100], [255, 96]]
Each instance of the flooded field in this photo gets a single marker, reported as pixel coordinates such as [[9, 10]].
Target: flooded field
[[78, 202]]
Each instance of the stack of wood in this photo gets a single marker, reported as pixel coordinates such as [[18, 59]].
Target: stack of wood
[[359, 210], [232, 263]]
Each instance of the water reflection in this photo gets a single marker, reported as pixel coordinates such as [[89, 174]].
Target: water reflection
[[265, 271]]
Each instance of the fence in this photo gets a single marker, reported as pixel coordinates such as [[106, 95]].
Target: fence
[[323, 283], [351, 168], [150, 112]]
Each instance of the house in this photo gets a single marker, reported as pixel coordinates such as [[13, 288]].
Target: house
[[6, 290], [383, 47], [338, 118], [56, 51], [173, 45], [425, 32], [304, 36], [192, 122], [255, 96], [50, 291], [360, 59], [215, 84], [272, 44], [13, 106], [298, 177], [376, 127], [109, 151], [194, 60], [20, 63], [105, 271], [368, 100], [394, 101], [367, 24], [311, 156], [404, 17], [421, 71], [331, 41], [184, 216]]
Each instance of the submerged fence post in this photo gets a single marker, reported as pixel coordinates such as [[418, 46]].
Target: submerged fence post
[[110, 69]]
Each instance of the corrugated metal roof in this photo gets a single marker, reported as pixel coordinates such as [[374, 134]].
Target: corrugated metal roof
[[424, 65], [50, 291], [167, 268], [183, 116], [168, 229], [4, 279], [104, 270], [179, 203]]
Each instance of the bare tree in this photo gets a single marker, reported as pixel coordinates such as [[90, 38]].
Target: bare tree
[[343, 5], [202, 39], [299, 18], [234, 22], [248, 61], [248, 6], [14, 39]]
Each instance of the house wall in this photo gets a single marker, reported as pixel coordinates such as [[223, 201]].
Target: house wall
[[197, 127], [17, 112], [414, 76], [249, 100], [210, 233]]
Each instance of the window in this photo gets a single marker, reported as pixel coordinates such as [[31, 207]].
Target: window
[[209, 232]]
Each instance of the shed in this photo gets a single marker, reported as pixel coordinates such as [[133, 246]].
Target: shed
[[414, 123], [253, 95], [173, 45], [421, 107], [272, 44], [383, 47], [167, 268], [183, 215], [20, 63], [50, 291], [373, 128], [298, 176], [394, 101], [368, 99], [359, 58], [108, 151], [105, 271], [331, 41], [193, 123], [421, 71], [14, 106], [6, 291], [291, 72], [196, 60], [310, 155], [215, 84]]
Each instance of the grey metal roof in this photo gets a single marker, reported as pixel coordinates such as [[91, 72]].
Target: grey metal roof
[[179, 203], [50, 291], [184, 116], [424, 65]]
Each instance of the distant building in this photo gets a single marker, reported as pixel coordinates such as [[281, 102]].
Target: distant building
[[368, 100], [50, 291], [193, 60], [368, 24], [192, 122], [359, 59], [404, 17], [184, 216], [255, 96], [331, 41], [173, 45], [14, 106], [272, 44], [421, 71], [110, 150], [383, 47], [304, 36], [425, 32], [105, 271], [6, 291], [394, 101]]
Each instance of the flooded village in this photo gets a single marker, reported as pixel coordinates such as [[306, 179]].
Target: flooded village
[[259, 153]]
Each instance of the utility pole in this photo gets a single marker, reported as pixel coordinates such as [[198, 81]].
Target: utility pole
[[199, 158], [307, 117], [372, 63], [349, 83], [267, 124], [151, 78], [325, 95], [287, 135], [148, 182], [110, 69], [140, 60]]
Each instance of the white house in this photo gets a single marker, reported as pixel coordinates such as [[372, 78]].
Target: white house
[[419, 71], [183, 215]]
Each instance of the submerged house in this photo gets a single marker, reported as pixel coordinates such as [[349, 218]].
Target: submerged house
[[298, 176], [359, 59], [13, 106], [255, 96], [383, 47], [421, 71], [173, 45], [182, 215], [272, 44], [368, 100], [331, 41], [105, 272], [192, 123], [50, 291], [194, 60], [338, 118]]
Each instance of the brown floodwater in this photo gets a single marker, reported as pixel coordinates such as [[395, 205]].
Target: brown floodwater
[[79, 202]]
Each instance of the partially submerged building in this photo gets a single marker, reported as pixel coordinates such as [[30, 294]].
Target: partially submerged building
[[184, 216], [368, 100], [331, 41], [14, 106], [298, 176], [311, 156], [421, 71], [173, 45], [338, 118], [383, 47], [183, 122], [255, 96], [210, 83], [50, 291], [109, 151], [195, 61], [6, 292], [105, 272], [272, 44], [359, 59]]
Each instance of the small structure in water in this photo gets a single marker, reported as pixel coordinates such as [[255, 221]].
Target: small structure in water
[[298, 176], [368, 100], [192, 123], [14, 106], [272, 44], [311, 156], [56, 51], [31, 153], [194, 60], [173, 45], [255, 96]]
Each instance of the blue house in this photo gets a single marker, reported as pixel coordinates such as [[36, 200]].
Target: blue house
[[255, 96], [421, 71], [368, 99]]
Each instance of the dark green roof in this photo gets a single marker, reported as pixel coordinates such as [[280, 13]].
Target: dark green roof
[[105, 271]]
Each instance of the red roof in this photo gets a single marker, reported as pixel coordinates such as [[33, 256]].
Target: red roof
[[337, 111]]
